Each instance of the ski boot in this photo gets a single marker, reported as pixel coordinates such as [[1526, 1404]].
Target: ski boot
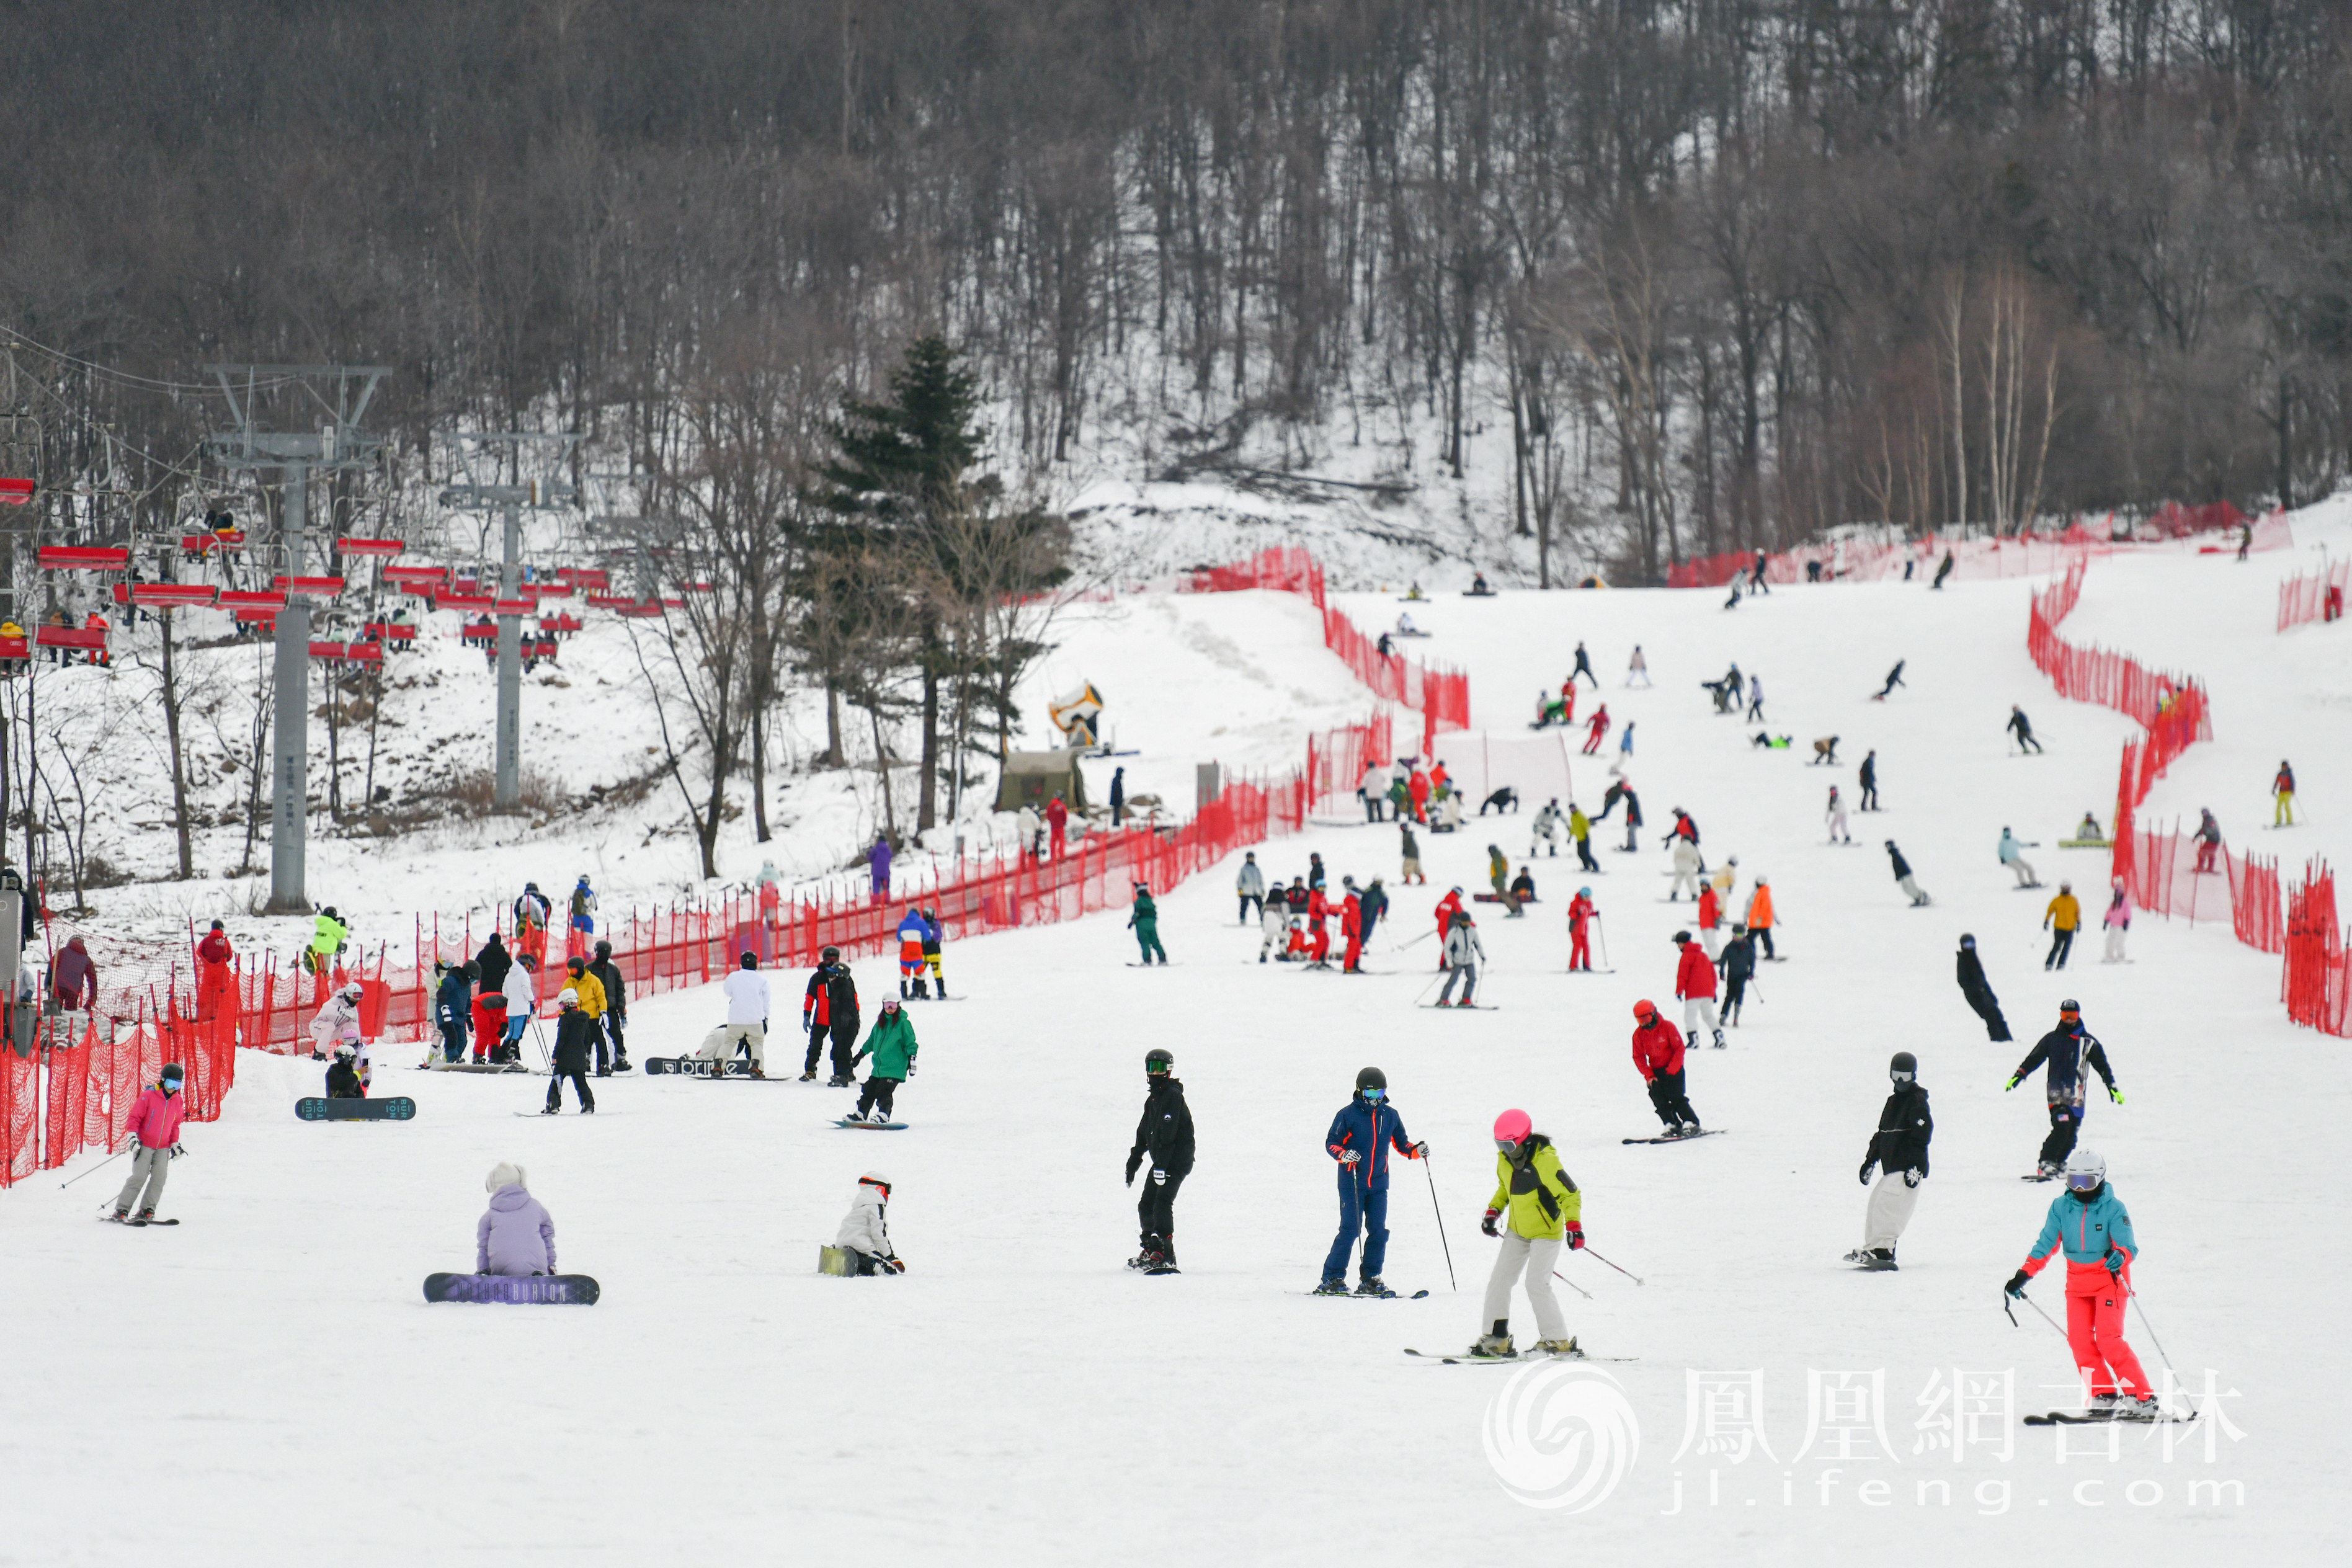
[[148, 1214], [546, 1110], [1334, 1286], [2102, 1406], [1495, 1346], [2142, 1408], [587, 1110], [1370, 1284], [1164, 1262], [1565, 1349], [1718, 1039]]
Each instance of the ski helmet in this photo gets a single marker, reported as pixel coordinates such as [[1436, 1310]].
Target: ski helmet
[[876, 1179], [1682, 938], [1513, 1127], [329, 912], [1644, 1010], [604, 949], [749, 960], [1372, 1077], [1904, 1068], [344, 1051], [172, 1075], [2070, 1008], [830, 954], [1158, 1059], [2086, 1171], [1967, 941], [1583, 892]]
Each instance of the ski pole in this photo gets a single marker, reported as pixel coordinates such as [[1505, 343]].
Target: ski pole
[[1572, 1284], [2006, 1299], [1628, 1273], [1440, 1212], [127, 1148], [1601, 932], [2152, 1339]]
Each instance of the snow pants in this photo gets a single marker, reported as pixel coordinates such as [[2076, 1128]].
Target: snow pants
[[1890, 1202], [1735, 994], [579, 1088], [1533, 1256], [1711, 939], [610, 1031], [1354, 956], [2282, 814], [2115, 934], [2024, 869], [1996, 1027], [1910, 885], [844, 1044], [1673, 1106], [453, 1042], [1684, 881], [718, 1046], [2205, 854], [2060, 944], [2065, 1126], [1147, 938], [152, 1166], [1584, 853], [1468, 974], [1837, 828], [1580, 949], [1249, 899], [2094, 1330], [1358, 1210], [1274, 935], [1698, 1010], [1763, 938], [877, 1091], [1155, 1212]]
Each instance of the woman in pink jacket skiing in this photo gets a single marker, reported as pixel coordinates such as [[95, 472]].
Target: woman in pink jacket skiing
[[154, 1129]]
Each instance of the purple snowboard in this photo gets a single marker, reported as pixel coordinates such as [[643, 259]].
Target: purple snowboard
[[534, 1289]]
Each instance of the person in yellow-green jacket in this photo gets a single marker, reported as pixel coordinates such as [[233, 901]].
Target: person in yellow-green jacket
[[2064, 916], [1535, 1209]]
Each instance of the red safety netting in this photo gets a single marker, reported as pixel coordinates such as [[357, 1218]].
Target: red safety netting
[[2317, 983], [75, 1089], [2175, 875], [2317, 596]]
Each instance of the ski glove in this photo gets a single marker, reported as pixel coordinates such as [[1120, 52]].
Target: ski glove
[[2014, 1079], [2016, 1285], [1866, 1166], [2115, 1094], [2116, 1261], [1134, 1161], [1575, 1237], [1421, 1150], [177, 1151], [1488, 1224], [1348, 1157], [1912, 1177], [1159, 1178]]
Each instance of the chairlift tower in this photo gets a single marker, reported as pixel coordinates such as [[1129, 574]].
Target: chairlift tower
[[338, 443], [481, 456]]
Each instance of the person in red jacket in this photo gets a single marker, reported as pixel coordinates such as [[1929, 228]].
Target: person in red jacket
[[1319, 909], [1658, 1056], [1599, 730], [155, 1128], [1710, 917], [1418, 787], [73, 978], [1695, 983], [1057, 822], [1581, 913], [490, 1023], [1447, 908], [1351, 926], [215, 956]]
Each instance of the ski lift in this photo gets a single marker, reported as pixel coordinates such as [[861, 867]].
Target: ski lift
[[310, 587], [166, 595], [465, 604], [85, 558], [16, 649], [417, 579], [380, 548], [15, 493]]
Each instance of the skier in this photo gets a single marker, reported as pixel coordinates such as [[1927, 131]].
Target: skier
[[1755, 700], [864, 1234], [1143, 918], [1710, 917], [1632, 817], [1549, 827], [1598, 731], [522, 1006], [1351, 927], [1759, 918], [1534, 1211], [1738, 966], [1868, 779], [591, 992], [1117, 797], [2117, 922], [154, 1130], [607, 975], [1624, 749], [1584, 667], [1756, 583], [574, 1030], [2283, 789], [2094, 1229], [1274, 925], [1447, 908], [1637, 668], [1581, 913], [878, 865], [328, 937], [516, 1235], [1695, 987], [1979, 992], [1464, 953], [1250, 886], [1836, 819], [2064, 915], [2067, 1050], [1902, 877], [1374, 902], [829, 1006], [1409, 869], [452, 1005], [2021, 727], [342, 1074], [1894, 680], [582, 921], [2209, 841], [1686, 868], [1164, 1135], [913, 930], [1318, 912], [1658, 1056], [1943, 571], [1580, 828], [1031, 829], [1685, 828], [892, 1045], [1418, 787], [1824, 751], [746, 1020], [531, 912], [2012, 855], [1899, 1150], [1366, 1128]]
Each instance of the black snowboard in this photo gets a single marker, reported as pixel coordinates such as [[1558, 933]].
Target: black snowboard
[[395, 1107], [537, 1289]]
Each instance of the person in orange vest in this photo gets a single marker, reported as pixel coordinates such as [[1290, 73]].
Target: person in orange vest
[[1760, 916], [1581, 913], [212, 978], [1351, 926], [1447, 908]]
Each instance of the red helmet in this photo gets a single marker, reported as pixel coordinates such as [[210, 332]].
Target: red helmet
[[1644, 1010], [1512, 1127]]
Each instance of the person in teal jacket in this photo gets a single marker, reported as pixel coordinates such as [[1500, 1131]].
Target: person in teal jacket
[[1145, 922], [2091, 1225], [892, 1046]]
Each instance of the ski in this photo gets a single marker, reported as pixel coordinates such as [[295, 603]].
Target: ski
[[109, 1219], [1360, 1295], [2085, 1418], [1683, 1138], [873, 1126], [2037, 1177], [1514, 1359]]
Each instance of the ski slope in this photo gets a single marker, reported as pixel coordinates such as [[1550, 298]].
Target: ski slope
[[265, 1383]]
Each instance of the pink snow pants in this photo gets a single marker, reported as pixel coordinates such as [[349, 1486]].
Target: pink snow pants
[[2095, 1328]]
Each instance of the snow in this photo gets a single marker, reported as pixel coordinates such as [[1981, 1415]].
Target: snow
[[273, 1386]]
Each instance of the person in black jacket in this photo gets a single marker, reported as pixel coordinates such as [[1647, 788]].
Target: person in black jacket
[[1738, 966], [1903, 875], [829, 1006], [490, 965], [343, 1077], [1370, 905], [574, 1031], [616, 1011], [1868, 779], [1899, 1150], [1979, 993], [2067, 1050], [452, 1008], [1164, 1135]]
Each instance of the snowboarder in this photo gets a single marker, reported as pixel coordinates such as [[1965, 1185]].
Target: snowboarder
[[1250, 885], [746, 1020], [1977, 990], [2062, 919], [877, 867], [1824, 751], [1899, 1150], [1549, 827], [1695, 987], [155, 1132], [1835, 817], [453, 1004], [934, 942], [1738, 966], [2117, 922], [342, 1074], [1637, 668], [2088, 828], [892, 1045], [829, 1006], [1943, 571], [516, 1235], [1316, 875], [1584, 667], [338, 1022], [608, 977], [1498, 877], [864, 1234], [1658, 1056], [2021, 727], [1163, 1135], [591, 992], [1464, 953], [1867, 778], [2282, 790], [1504, 799], [912, 929], [1902, 877], [1581, 913], [1687, 829], [1534, 1211], [1409, 869], [1143, 918], [1361, 1138], [2012, 855], [2209, 841], [1755, 700], [2064, 1052], [489, 1026], [2094, 1228], [574, 1031], [1686, 868], [1759, 918], [1894, 680]]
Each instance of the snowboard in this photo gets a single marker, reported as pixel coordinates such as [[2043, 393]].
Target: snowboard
[[395, 1107], [873, 1126], [690, 1067], [1704, 1132], [1462, 1006], [537, 1289], [2036, 1176], [546, 1112]]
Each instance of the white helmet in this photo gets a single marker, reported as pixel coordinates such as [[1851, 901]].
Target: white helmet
[[345, 1050], [2086, 1171], [350, 991]]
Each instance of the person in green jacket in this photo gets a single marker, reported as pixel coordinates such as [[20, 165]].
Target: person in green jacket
[[1534, 1210], [892, 1046], [1145, 923], [327, 941]]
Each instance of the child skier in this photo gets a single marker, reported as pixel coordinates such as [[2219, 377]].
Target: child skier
[[1695, 987], [1361, 1138], [865, 1233], [1144, 920], [338, 1023], [1658, 1056], [892, 1046], [574, 1031], [154, 1130], [1163, 1134], [1534, 1211], [1899, 1150], [2067, 1050], [1464, 953], [2094, 1230], [2117, 922], [515, 1235]]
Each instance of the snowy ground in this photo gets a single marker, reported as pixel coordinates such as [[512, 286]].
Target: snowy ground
[[272, 1387]]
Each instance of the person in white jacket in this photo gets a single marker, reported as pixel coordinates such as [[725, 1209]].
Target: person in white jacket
[[338, 1023], [523, 1005], [1274, 921], [1374, 789], [1550, 827], [1464, 953], [2012, 855], [746, 1021], [2118, 921], [1250, 886], [865, 1233], [1686, 869]]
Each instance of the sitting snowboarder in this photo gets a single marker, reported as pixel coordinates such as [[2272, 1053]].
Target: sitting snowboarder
[[864, 1234], [342, 1076], [515, 1235]]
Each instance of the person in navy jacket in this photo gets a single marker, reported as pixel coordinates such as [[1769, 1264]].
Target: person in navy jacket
[[1361, 1140]]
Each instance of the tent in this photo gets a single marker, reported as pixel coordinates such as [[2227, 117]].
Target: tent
[[1032, 778], [1480, 764]]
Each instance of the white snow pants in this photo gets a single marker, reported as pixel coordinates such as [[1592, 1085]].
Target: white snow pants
[[1537, 1256], [2024, 869], [1695, 1010], [1911, 885], [1837, 825], [2115, 943], [1685, 882], [1890, 1202], [1710, 938], [719, 1045]]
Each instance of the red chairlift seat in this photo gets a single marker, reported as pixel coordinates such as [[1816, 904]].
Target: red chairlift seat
[[328, 587], [355, 545], [85, 558]]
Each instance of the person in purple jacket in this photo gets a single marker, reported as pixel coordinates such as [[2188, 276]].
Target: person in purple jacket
[[516, 1237], [878, 861]]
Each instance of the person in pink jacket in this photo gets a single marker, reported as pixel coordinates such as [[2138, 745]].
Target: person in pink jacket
[[516, 1234], [155, 1128], [2119, 922]]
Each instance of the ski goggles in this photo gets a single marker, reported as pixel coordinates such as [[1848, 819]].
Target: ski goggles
[[1374, 1094], [1902, 1077], [2084, 1181]]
